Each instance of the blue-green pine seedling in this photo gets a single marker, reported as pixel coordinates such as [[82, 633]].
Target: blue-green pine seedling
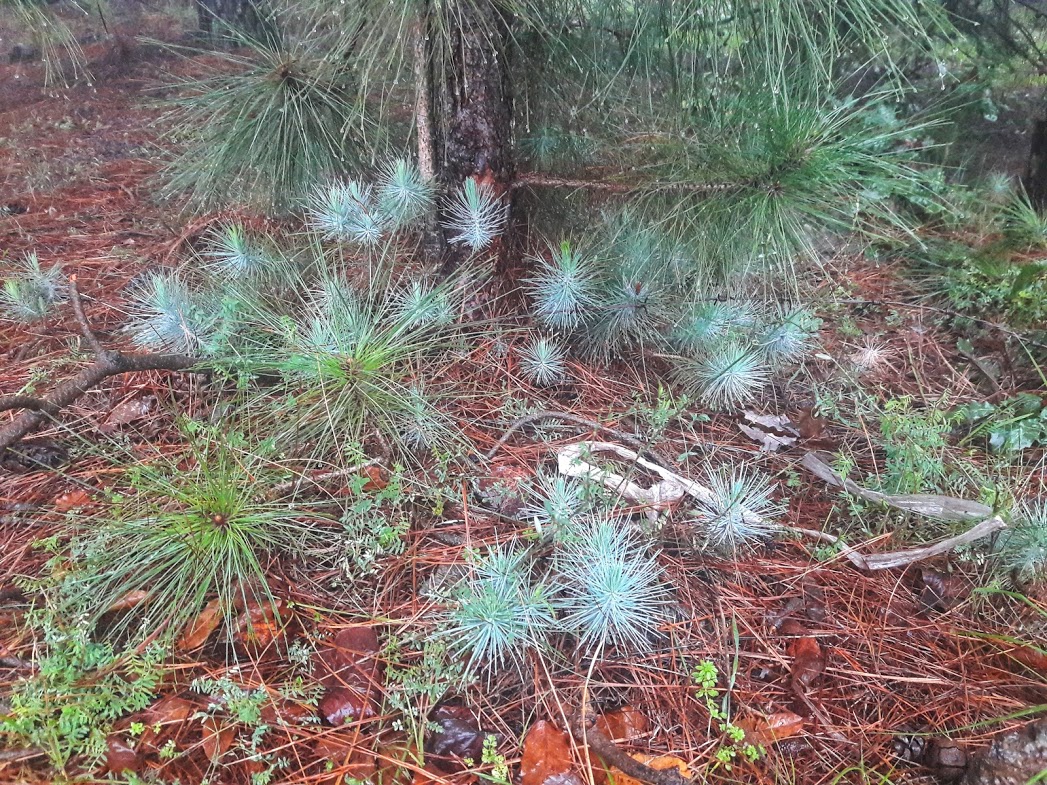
[[704, 324], [167, 316], [32, 293], [345, 212], [543, 362], [556, 503], [1022, 548], [234, 255], [500, 613], [403, 195], [788, 337], [741, 512], [730, 374], [476, 215], [562, 287], [614, 592]]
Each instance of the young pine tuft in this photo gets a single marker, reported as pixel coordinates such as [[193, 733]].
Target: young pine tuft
[[729, 375], [32, 292], [344, 212], [403, 195], [167, 316], [500, 613], [614, 588], [476, 215], [741, 511], [562, 288], [1022, 549], [543, 362], [555, 505], [235, 256]]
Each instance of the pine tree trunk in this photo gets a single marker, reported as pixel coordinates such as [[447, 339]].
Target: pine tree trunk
[[1035, 180], [474, 127], [246, 16]]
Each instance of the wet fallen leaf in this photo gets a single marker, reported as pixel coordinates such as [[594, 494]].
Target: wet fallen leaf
[[937, 590], [377, 478], [197, 633], [339, 705], [546, 758], [624, 724], [349, 761], [772, 728], [656, 762], [217, 739], [459, 735], [169, 711], [260, 625], [770, 431], [72, 500], [814, 603], [120, 756], [808, 663], [350, 671], [127, 412], [809, 424], [130, 600]]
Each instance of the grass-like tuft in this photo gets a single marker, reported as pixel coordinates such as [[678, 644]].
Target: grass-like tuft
[[266, 133], [730, 374], [187, 530]]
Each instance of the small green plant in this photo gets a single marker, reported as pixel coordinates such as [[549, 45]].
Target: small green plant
[[374, 526], [542, 361], [498, 772], [81, 686], [914, 446], [1021, 550], [1010, 426], [740, 512], [705, 677]]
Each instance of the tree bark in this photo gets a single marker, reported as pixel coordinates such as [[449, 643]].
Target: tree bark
[[248, 17], [474, 127], [1035, 179]]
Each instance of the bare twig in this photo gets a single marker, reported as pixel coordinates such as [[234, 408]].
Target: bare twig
[[888, 561], [81, 319], [288, 486], [585, 730], [67, 392]]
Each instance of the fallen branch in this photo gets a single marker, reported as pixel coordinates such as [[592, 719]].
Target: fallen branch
[[107, 363], [574, 460], [585, 730]]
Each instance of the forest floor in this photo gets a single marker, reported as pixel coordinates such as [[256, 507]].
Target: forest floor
[[833, 669]]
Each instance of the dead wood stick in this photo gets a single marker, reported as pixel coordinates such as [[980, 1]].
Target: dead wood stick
[[67, 392], [583, 726], [887, 561], [81, 319], [107, 363]]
